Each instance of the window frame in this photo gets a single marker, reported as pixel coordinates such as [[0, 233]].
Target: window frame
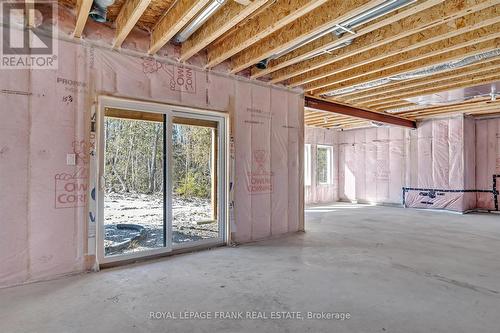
[[307, 164], [329, 164]]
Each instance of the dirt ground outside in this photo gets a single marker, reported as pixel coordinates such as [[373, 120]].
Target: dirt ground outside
[[134, 222]]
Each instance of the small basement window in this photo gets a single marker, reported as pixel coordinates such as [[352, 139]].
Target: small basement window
[[324, 165]]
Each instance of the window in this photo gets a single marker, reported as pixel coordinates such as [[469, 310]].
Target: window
[[324, 164], [307, 165]]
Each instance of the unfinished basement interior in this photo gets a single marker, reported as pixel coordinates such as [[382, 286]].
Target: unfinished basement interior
[[250, 166]]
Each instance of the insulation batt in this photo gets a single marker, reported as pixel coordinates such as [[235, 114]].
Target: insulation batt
[[372, 165], [48, 213]]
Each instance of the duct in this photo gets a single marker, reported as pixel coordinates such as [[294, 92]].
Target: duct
[[458, 95], [347, 26], [198, 21], [419, 73], [371, 14], [99, 10]]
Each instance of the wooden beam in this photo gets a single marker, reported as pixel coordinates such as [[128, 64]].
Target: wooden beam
[[321, 104], [403, 91], [130, 13], [383, 69], [468, 109], [448, 106], [401, 113], [495, 111], [411, 114], [368, 94], [331, 122], [321, 115], [475, 109], [445, 47], [177, 17], [225, 19], [135, 115], [279, 14], [363, 54], [399, 25], [328, 41], [400, 104], [84, 7], [470, 81], [322, 18]]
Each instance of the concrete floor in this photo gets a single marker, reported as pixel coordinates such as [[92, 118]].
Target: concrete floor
[[392, 270]]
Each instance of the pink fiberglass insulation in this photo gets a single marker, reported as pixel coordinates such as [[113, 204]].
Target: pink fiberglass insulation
[[470, 163], [444, 164], [487, 159], [47, 226], [436, 164], [315, 192], [371, 165]]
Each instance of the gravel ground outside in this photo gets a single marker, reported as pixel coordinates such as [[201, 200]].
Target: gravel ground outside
[[147, 211]]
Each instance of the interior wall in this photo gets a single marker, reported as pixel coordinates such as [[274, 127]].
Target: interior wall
[[48, 213], [315, 192], [371, 165], [435, 161], [487, 159], [440, 164]]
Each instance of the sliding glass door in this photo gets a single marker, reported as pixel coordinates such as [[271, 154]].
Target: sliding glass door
[[134, 216], [194, 179], [162, 179]]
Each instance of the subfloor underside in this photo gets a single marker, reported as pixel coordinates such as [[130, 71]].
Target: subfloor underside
[[391, 269]]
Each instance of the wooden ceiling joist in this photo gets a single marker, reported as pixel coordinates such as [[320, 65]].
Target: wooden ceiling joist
[[318, 20], [386, 68], [130, 13], [431, 37], [470, 81], [298, 56], [445, 84], [422, 16], [279, 14], [491, 107], [177, 17], [321, 104], [385, 90], [445, 106], [222, 21], [448, 106], [83, 10], [332, 119], [334, 122], [400, 104]]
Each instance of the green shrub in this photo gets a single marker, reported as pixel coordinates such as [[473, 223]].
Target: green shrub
[[193, 185]]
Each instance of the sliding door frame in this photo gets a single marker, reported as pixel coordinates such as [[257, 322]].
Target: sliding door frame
[[169, 111]]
